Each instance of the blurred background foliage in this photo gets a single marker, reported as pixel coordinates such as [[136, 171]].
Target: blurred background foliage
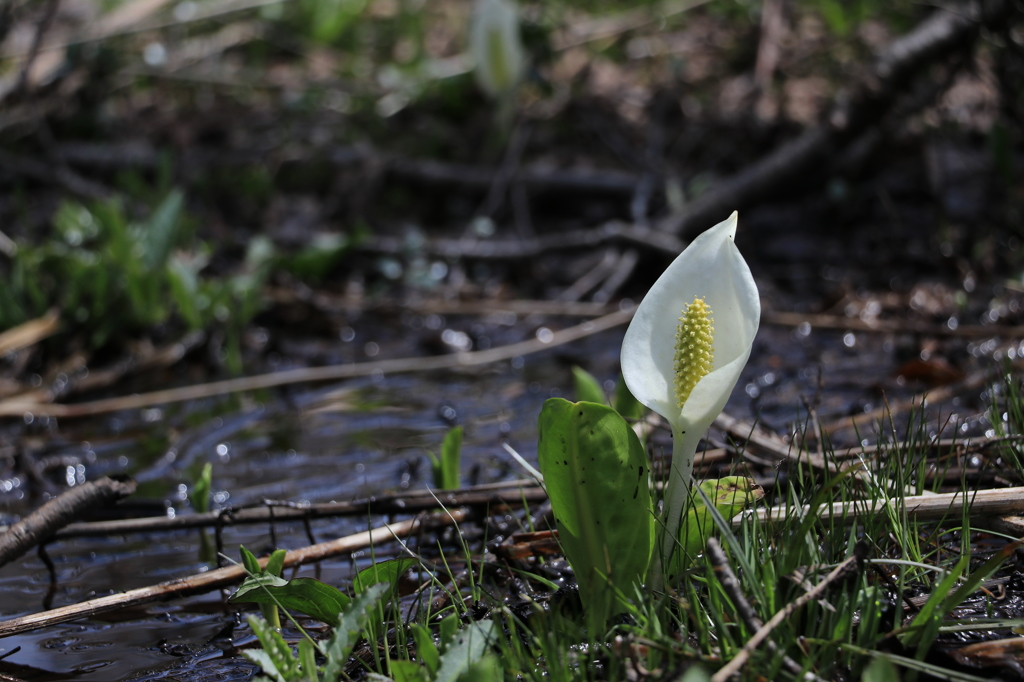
[[162, 161]]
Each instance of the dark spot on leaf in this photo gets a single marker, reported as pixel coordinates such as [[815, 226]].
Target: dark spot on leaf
[[636, 491], [565, 462], [641, 470]]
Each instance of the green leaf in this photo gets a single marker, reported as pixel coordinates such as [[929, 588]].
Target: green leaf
[[408, 671], [596, 474], [468, 646], [447, 474], [276, 658], [201, 489], [249, 561], [728, 495], [307, 660], [387, 572], [931, 610], [625, 403], [880, 670], [486, 669], [426, 650], [305, 595], [695, 673], [447, 630], [944, 599], [275, 564], [351, 624], [160, 233], [588, 388]]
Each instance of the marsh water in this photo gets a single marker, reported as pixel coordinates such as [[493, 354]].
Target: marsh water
[[355, 439]]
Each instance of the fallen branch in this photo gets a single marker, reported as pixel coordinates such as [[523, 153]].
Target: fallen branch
[[888, 409], [838, 573], [42, 524], [931, 507], [972, 331], [18, 408], [221, 577], [855, 111], [523, 248], [727, 579], [30, 332], [514, 493]]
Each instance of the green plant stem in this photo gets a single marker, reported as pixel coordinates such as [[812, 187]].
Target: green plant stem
[[677, 494]]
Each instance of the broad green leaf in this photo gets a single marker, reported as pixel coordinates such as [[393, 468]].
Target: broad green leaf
[[729, 496], [305, 595], [426, 650], [596, 474], [485, 669], [468, 646], [588, 388], [880, 670], [387, 572], [351, 624], [408, 671]]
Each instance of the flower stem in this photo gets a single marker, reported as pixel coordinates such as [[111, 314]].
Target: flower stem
[[668, 552]]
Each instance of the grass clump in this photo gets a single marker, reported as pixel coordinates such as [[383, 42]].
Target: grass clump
[[909, 592]]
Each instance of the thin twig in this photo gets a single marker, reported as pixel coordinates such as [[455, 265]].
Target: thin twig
[[519, 249], [37, 40], [221, 577], [839, 572], [30, 332], [313, 374], [932, 397], [821, 321], [731, 584]]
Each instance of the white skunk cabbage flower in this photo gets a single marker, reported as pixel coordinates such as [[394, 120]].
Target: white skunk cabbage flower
[[496, 47], [684, 350]]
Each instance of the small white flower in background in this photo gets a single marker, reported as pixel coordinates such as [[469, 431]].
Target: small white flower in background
[[496, 47], [685, 348]]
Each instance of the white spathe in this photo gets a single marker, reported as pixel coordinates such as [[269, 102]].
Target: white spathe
[[496, 46], [711, 268]]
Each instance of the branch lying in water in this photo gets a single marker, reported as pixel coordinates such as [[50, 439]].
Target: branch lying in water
[[508, 493], [222, 577], [44, 523]]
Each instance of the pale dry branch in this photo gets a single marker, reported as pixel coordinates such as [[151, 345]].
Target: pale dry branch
[[221, 577], [313, 374]]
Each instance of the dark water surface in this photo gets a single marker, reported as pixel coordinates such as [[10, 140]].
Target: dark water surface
[[350, 441]]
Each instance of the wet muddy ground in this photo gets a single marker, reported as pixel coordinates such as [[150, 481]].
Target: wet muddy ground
[[893, 270], [369, 437]]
